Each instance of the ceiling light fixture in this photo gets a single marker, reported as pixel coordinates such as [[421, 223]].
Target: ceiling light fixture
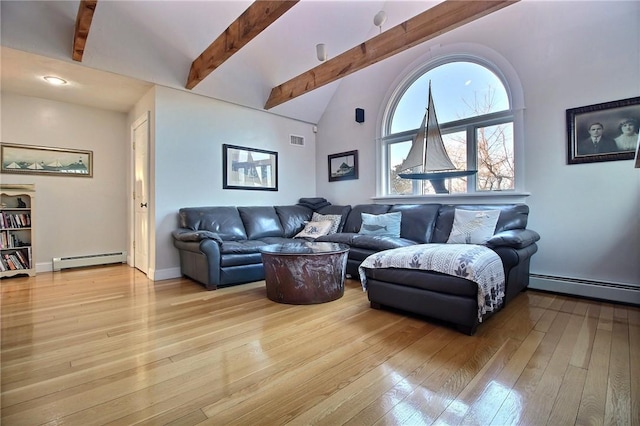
[[379, 19], [321, 52], [56, 81]]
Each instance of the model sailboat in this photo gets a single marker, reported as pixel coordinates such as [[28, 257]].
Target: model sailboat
[[428, 158]]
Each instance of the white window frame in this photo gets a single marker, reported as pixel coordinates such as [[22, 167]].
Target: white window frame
[[440, 55]]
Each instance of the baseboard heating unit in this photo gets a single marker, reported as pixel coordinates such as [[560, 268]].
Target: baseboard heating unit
[[615, 292], [88, 260]]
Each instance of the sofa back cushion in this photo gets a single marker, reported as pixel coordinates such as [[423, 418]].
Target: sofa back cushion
[[336, 210], [512, 216], [418, 221], [260, 222], [354, 219], [293, 218], [224, 221]]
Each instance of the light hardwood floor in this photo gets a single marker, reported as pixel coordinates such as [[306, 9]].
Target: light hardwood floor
[[108, 346]]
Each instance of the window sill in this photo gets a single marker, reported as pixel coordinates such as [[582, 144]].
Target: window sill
[[475, 198]]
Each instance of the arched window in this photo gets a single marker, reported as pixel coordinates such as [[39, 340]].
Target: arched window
[[476, 117]]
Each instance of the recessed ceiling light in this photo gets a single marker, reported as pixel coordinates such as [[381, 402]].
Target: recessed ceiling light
[[57, 81]]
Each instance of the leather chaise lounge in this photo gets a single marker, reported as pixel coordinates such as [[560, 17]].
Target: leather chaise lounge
[[219, 246]]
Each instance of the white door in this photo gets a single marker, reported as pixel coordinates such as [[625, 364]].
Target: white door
[[141, 194]]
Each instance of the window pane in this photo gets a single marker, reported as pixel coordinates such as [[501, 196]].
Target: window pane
[[495, 158], [456, 146], [460, 90], [396, 154]]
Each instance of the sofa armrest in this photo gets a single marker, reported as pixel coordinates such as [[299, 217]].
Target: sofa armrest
[[189, 235], [516, 238]]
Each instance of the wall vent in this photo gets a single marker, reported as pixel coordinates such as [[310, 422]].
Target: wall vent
[[296, 140], [88, 260]]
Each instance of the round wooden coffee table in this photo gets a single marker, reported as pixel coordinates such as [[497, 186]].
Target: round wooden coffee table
[[304, 273]]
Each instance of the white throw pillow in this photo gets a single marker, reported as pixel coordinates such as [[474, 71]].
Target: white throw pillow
[[334, 218], [473, 226], [315, 229]]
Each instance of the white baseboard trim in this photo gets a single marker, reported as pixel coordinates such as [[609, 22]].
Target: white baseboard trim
[[164, 274], [154, 275], [44, 267], [592, 289]]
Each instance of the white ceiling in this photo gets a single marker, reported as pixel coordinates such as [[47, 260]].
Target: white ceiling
[[133, 44]]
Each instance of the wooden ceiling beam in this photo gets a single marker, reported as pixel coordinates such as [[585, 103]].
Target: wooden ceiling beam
[[252, 22], [83, 24], [433, 22]]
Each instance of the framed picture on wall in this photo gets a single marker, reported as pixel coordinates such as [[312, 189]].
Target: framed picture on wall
[[343, 166], [44, 160], [249, 168], [603, 132]]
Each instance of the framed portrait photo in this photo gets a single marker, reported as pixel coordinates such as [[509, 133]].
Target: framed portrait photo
[[343, 166], [603, 132], [249, 168]]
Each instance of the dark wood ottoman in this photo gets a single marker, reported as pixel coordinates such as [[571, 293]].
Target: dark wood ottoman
[[304, 273]]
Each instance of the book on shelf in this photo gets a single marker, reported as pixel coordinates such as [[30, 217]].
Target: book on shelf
[[14, 261], [9, 262], [15, 220], [22, 259]]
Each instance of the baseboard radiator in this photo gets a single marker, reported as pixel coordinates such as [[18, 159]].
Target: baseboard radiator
[[88, 260], [615, 292]]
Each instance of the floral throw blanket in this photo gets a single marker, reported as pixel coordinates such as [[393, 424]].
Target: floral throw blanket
[[473, 262]]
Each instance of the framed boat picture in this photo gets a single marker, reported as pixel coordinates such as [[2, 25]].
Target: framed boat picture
[[343, 166], [249, 168], [43, 160]]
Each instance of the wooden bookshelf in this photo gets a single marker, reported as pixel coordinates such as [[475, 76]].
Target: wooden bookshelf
[[17, 230]]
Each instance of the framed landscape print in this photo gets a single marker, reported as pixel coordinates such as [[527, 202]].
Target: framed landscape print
[[343, 166], [41, 160], [249, 168], [603, 132]]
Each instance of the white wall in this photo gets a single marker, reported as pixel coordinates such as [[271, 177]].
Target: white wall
[[74, 215], [189, 131], [586, 214]]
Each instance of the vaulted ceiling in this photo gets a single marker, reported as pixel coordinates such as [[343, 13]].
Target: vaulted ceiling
[[260, 55]]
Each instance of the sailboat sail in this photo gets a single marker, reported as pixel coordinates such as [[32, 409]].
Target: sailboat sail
[[427, 150], [35, 166], [428, 159]]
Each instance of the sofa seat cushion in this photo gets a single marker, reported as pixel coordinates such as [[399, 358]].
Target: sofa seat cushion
[[367, 242], [379, 242], [425, 280], [241, 247], [358, 254], [280, 240], [227, 260], [341, 237]]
